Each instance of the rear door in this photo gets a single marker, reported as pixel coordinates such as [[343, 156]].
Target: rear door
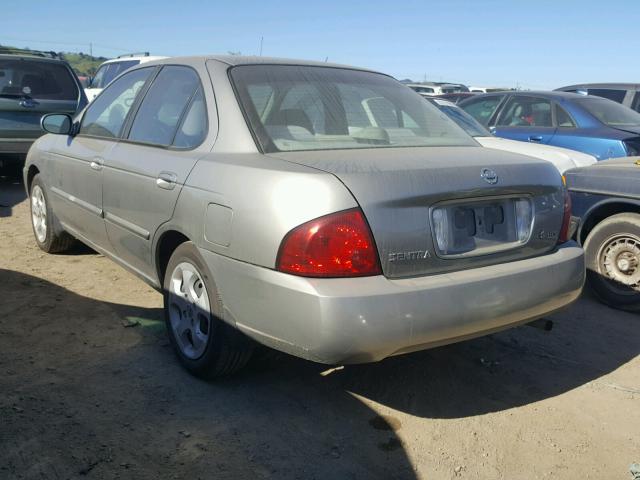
[[28, 89], [145, 172], [526, 118]]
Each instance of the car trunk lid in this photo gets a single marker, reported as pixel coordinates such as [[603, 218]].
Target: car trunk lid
[[440, 209]]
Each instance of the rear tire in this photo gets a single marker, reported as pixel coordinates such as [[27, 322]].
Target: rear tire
[[206, 345], [612, 251], [43, 221]]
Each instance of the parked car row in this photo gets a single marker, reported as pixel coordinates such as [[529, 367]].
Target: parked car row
[[325, 211], [562, 158], [589, 124]]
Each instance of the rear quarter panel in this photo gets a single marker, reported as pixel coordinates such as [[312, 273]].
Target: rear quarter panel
[[242, 205]]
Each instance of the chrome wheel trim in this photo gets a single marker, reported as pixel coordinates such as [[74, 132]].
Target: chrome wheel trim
[[189, 310], [39, 213], [619, 261]]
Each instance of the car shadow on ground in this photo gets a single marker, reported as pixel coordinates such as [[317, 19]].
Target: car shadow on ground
[[95, 386], [89, 388], [11, 193]]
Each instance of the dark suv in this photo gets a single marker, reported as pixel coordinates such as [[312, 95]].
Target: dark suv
[[32, 83]]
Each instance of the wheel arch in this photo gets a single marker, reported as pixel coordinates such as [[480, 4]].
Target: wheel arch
[[168, 240], [31, 173], [602, 210]]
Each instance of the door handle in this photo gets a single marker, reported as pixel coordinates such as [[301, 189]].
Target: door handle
[[28, 103], [96, 163], [166, 180], [535, 138]]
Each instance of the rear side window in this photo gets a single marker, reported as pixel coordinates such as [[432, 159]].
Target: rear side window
[[164, 106], [423, 89], [105, 116], [482, 109], [616, 95], [39, 80], [563, 119], [109, 71], [526, 112], [636, 102], [193, 128]]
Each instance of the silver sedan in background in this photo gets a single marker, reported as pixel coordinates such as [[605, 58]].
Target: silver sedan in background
[[321, 210]]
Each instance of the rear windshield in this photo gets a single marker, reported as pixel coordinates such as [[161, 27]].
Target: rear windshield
[[293, 108], [109, 71], [610, 113], [43, 80]]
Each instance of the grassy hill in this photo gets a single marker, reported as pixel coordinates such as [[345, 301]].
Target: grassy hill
[[82, 63]]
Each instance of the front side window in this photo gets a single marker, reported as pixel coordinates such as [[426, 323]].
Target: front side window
[[106, 115], [109, 71], [164, 106], [526, 112], [482, 109], [39, 80], [322, 108]]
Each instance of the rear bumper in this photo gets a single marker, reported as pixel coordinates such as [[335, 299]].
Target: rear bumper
[[367, 319]]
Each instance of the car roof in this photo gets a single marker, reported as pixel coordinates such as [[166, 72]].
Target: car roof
[[622, 86], [146, 59], [30, 58], [237, 60]]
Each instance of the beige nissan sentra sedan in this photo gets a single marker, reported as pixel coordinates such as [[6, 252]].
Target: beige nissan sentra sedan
[[322, 210]]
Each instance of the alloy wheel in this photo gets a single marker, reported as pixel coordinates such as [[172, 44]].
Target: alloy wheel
[[189, 310], [39, 213]]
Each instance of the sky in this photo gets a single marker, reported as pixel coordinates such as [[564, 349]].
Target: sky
[[541, 44]]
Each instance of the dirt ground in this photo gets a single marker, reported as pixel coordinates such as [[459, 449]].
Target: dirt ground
[[89, 388]]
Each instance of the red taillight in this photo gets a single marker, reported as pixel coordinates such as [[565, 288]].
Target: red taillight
[[337, 245], [566, 219]]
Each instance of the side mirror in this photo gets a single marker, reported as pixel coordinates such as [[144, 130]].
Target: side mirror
[[57, 123], [492, 130]]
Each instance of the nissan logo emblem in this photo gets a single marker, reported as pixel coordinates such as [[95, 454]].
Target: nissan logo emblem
[[489, 176]]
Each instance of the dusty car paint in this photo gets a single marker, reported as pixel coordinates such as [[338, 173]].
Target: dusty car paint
[[225, 182]]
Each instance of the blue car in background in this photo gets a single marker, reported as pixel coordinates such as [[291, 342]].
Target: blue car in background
[[593, 125]]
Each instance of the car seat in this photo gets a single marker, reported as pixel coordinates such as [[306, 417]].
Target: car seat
[[291, 117]]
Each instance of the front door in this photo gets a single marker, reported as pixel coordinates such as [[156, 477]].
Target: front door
[[144, 173], [76, 180]]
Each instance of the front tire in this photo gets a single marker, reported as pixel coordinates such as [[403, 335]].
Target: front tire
[[205, 344], [43, 221], [612, 251]]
